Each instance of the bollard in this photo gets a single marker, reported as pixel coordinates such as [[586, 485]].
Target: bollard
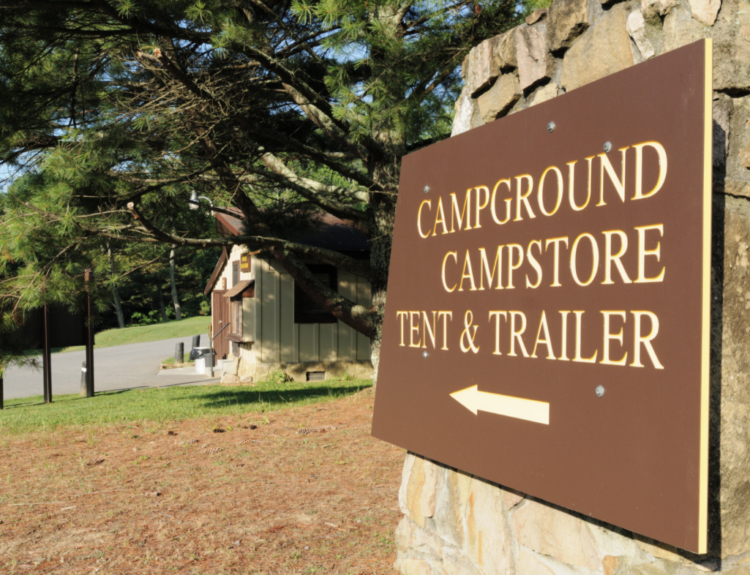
[[83, 392], [1, 392], [179, 353], [196, 341]]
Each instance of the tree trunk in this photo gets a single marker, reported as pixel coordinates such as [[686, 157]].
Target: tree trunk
[[162, 309], [175, 298], [118, 306]]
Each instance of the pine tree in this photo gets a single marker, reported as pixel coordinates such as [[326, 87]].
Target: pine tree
[[114, 111]]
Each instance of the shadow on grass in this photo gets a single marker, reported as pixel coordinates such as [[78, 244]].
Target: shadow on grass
[[228, 397]]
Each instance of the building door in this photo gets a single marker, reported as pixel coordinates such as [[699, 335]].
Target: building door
[[220, 318]]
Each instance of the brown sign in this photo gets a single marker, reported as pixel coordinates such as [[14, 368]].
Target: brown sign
[[246, 263], [548, 305]]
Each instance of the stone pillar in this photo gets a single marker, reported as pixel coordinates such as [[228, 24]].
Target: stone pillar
[[458, 524]]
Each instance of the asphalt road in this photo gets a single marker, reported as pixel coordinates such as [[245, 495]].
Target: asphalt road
[[121, 367]]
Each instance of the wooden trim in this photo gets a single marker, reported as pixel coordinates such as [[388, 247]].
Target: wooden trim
[[233, 337], [217, 271]]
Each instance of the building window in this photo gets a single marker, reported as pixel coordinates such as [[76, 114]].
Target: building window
[[235, 273], [236, 317], [306, 310]]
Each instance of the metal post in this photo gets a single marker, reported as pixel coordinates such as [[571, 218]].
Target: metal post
[[89, 338], [196, 341], [47, 357], [84, 387], [179, 353]]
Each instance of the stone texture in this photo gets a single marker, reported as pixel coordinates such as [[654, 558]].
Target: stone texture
[[511, 499], [534, 61], [543, 94], [603, 50], [452, 497], [409, 535], [529, 563], [427, 501], [655, 8], [735, 188], [505, 52], [464, 112], [230, 378], [496, 101], [416, 567], [455, 564], [636, 26], [731, 35], [735, 379], [482, 67], [413, 492], [488, 543], [739, 140], [680, 29], [547, 531], [536, 16], [722, 113], [705, 11], [566, 20]]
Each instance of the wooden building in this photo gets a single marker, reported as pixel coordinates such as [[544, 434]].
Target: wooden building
[[265, 322]]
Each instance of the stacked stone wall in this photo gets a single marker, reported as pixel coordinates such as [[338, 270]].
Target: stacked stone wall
[[458, 524]]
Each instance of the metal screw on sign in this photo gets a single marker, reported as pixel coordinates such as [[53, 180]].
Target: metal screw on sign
[[427, 189], [425, 354], [550, 127], [599, 390], [607, 146]]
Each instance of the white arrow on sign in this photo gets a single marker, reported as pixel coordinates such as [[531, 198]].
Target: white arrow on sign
[[520, 408]]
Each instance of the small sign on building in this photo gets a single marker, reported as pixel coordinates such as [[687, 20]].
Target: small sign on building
[[548, 315]]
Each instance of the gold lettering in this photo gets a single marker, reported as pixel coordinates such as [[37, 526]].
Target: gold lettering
[[556, 243], [643, 252], [464, 212], [455, 257], [594, 262], [402, 315], [516, 334], [496, 315], [564, 351], [445, 315], [464, 275], [512, 267], [609, 258], [413, 329], [619, 183], [571, 185], [439, 218], [610, 336], [662, 153], [498, 265], [419, 218], [645, 340], [523, 198], [534, 264], [560, 191], [486, 191], [546, 341], [578, 357], [429, 329], [508, 202]]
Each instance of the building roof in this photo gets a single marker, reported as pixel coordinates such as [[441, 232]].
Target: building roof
[[330, 233]]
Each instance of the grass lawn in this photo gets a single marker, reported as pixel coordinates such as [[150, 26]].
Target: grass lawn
[[144, 333], [166, 404], [297, 491]]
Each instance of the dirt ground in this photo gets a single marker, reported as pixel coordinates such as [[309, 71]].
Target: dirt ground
[[304, 490]]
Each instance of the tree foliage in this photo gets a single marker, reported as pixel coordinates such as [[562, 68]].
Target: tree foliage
[[113, 111]]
